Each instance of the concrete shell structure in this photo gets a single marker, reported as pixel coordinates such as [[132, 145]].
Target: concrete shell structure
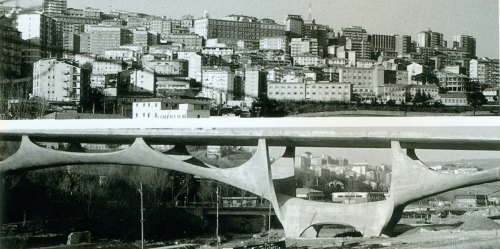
[[300, 218]]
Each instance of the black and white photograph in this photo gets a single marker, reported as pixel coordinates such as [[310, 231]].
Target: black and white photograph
[[168, 124]]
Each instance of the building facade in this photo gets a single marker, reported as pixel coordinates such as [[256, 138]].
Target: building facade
[[195, 62], [218, 84], [398, 92], [430, 39], [382, 42], [103, 37], [452, 82], [484, 71], [367, 82], [54, 6], [178, 68], [273, 43], [188, 41], [255, 84], [403, 44], [316, 91], [158, 108], [294, 25], [55, 80], [465, 43], [235, 29], [299, 46], [453, 99]]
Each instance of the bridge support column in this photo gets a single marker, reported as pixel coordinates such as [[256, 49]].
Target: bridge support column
[[413, 180], [304, 218]]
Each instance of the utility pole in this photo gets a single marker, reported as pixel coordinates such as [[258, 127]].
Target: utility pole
[[269, 223], [217, 215], [142, 217]]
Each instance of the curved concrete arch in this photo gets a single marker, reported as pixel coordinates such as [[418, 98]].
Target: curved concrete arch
[[253, 176], [180, 152], [410, 173], [299, 215], [413, 180]]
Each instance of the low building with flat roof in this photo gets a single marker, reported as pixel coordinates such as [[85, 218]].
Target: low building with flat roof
[[171, 108]]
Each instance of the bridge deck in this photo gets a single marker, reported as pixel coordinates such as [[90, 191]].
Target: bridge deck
[[461, 133]]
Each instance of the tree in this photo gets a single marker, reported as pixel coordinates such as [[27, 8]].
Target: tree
[[390, 103], [442, 90], [418, 97], [426, 77], [408, 96], [476, 99], [356, 97]]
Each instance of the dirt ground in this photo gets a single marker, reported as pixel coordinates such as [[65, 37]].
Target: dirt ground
[[471, 230], [422, 239]]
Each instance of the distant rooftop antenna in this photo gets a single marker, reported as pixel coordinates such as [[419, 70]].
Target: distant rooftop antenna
[[310, 12]]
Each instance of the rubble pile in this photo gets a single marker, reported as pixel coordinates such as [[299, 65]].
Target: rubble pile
[[483, 212], [475, 223]]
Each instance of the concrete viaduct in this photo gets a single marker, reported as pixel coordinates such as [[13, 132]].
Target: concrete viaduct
[[411, 178]]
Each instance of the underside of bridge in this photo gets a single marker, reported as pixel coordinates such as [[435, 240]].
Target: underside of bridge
[[411, 180]]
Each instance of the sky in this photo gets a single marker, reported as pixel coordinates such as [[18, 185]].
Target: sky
[[478, 18]]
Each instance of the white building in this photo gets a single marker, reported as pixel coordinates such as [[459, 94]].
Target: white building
[[158, 108], [317, 91], [300, 46], [178, 68], [55, 80], [414, 69], [144, 79], [169, 83], [324, 91], [359, 168], [253, 84], [307, 59], [452, 82], [453, 99], [273, 43], [194, 64], [368, 83], [485, 71], [218, 84], [217, 51], [490, 94], [100, 67], [397, 92], [119, 54], [103, 37], [29, 25]]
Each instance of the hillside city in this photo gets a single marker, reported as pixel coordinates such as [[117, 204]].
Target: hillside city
[[63, 60]]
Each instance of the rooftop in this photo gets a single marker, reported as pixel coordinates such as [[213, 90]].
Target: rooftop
[[453, 95], [199, 101]]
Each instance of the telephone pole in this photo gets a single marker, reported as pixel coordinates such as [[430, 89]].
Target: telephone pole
[[142, 217], [217, 215]]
